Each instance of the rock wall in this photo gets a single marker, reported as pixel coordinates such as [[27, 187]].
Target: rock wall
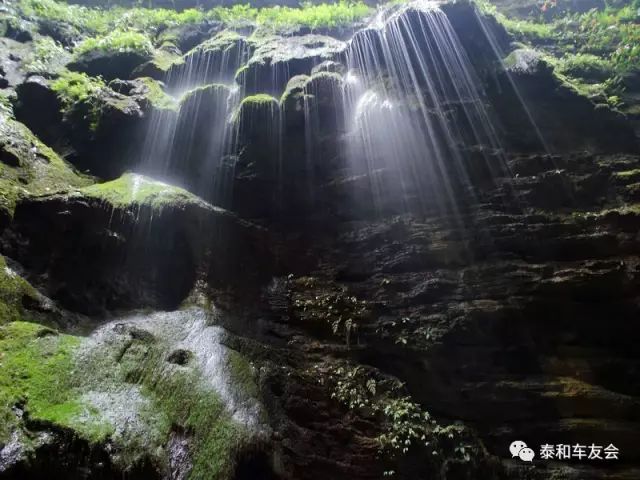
[[409, 332]]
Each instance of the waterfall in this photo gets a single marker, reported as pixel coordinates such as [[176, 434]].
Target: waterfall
[[408, 113], [201, 135], [413, 106]]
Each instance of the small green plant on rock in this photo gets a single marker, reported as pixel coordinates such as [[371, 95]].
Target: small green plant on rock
[[72, 87], [330, 304], [405, 424]]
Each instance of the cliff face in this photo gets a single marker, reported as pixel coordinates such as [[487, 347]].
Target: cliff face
[[396, 243]]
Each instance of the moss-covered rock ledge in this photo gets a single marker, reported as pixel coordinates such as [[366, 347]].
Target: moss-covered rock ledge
[[138, 393], [128, 243]]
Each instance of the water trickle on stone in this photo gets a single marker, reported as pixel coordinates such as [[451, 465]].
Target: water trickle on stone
[[199, 136], [189, 331]]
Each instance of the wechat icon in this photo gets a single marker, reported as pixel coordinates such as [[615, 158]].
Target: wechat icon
[[519, 449]]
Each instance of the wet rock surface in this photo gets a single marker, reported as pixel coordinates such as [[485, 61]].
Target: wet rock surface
[[480, 290]]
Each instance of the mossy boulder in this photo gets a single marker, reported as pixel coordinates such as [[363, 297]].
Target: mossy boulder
[[183, 38], [541, 107], [292, 103], [159, 66], [257, 120], [28, 167], [39, 106], [103, 123], [35, 377], [129, 243], [13, 27], [115, 55], [114, 403], [132, 191], [148, 93], [276, 59], [326, 92], [214, 61], [13, 55], [172, 373], [16, 295]]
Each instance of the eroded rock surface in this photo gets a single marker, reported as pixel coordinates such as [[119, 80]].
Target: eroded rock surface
[[407, 316]]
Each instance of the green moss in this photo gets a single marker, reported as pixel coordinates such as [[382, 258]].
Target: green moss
[[241, 372], [137, 190], [102, 21], [39, 170], [597, 45], [260, 103], [156, 96], [295, 85], [163, 60], [240, 72], [223, 41], [523, 30], [72, 87], [585, 66], [116, 42], [48, 57], [213, 90], [13, 290], [324, 15], [6, 107], [259, 100], [197, 409], [37, 365], [323, 81], [179, 398]]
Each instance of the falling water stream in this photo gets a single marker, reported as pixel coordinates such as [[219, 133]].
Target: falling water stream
[[411, 102]]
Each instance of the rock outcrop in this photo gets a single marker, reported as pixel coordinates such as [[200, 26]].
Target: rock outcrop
[[388, 256]]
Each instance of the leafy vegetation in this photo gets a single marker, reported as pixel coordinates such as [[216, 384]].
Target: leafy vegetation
[[116, 42], [72, 87], [613, 32], [98, 21], [314, 301], [324, 15], [405, 425], [255, 107], [585, 66], [48, 57], [94, 21], [595, 51]]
